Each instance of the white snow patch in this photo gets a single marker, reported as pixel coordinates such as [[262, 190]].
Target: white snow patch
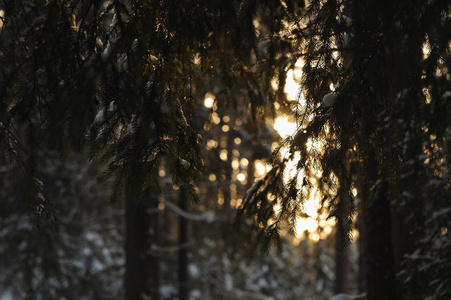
[[193, 295], [168, 291], [193, 271], [86, 251], [7, 295], [228, 282], [329, 100], [262, 282], [446, 94]]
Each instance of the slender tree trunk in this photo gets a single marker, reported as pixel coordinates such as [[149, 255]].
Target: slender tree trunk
[[341, 248], [250, 172], [226, 192], [183, 252], [361, 246], [154, 257], [142, 270]]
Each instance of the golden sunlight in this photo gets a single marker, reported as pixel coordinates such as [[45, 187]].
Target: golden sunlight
[[242, 178], [235, 164], [261, 168], [292, 88], [426, 47], [244, 162], [2, 14], [223, 154], [284, 127], [209, 100]]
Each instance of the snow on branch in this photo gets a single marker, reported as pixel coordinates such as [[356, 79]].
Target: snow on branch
[[253, 189], [208, 217], [329, 100]]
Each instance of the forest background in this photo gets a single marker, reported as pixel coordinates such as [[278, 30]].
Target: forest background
[[146, 151]]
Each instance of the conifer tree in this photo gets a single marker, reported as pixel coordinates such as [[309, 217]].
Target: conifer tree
[[367, 88], [123, 78]]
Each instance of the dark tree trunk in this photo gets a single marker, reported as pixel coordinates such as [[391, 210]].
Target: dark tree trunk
[[183, 252], [402, 238], [341, 249], [341, 269], [378, 264], [361, 246], [142, 270], [226, 192], [378, 260]]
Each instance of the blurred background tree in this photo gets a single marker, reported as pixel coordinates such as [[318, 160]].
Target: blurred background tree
[[83, 258]]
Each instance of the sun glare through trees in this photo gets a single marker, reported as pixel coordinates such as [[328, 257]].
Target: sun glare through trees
[[208, 149], [311, 220]]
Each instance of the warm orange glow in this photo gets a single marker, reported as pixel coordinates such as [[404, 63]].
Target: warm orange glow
[[427, 95], [244, 162], [332, 87], [235, 164], [2, 14], [314, 237], [426, 48], [314, 145], [274, 84], [261, 168], [297, 74], [284, 127], [223, 155], [209, 100], [291, 88], [212, 144], [197, 59], [328, 229], [233, 202], [215, 118], [241, 177]]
